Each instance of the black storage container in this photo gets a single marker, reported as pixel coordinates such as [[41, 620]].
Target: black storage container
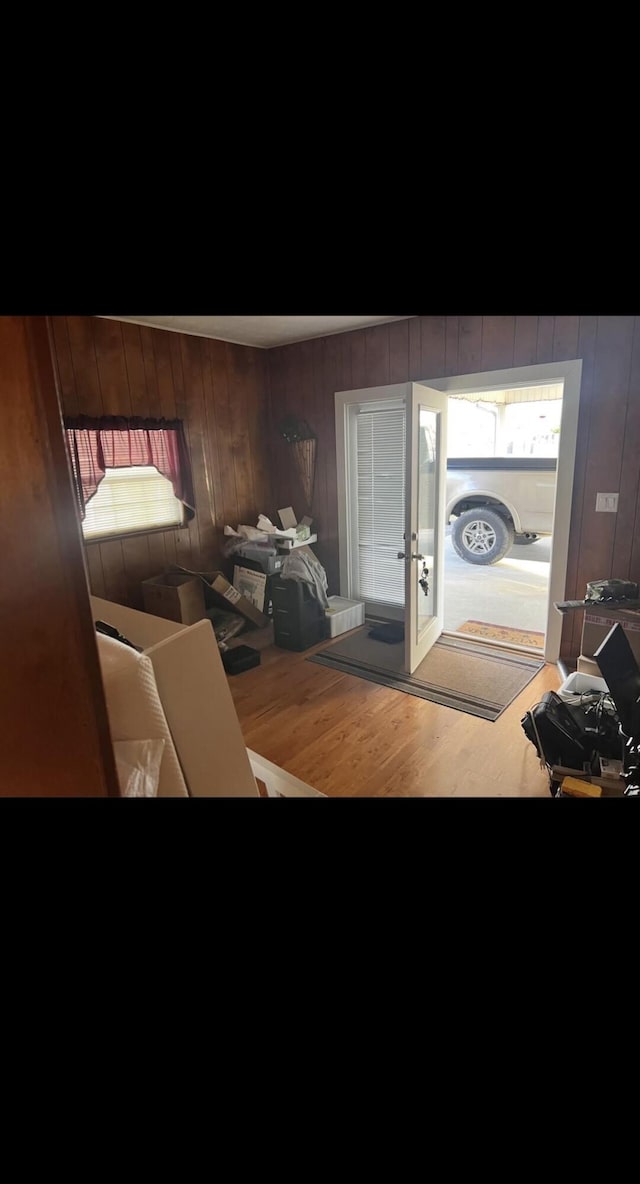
[[298, 618], [242, 657]]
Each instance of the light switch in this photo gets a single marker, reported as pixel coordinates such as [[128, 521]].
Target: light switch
[[607, 503]]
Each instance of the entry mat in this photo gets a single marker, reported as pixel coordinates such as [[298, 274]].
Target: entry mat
[[528, 637], [465, 675]]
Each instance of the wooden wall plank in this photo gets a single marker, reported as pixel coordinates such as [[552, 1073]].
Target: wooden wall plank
[[358, 359], [162, 367], [204, 544], [328, 551], [321, 425], [498, 342], [625, 519], [544, 347], [111, 365], [54, 725], [95, 573], [135, 369], [398, 351], [135, 558], [415, 352], [148, 338], [452, 334], [116, 585], [212, 444], [469, 344], [83, 354], [344, 378], [306, 411], [611, 387], [565, 338], [240, 441], [432, 348], [526, 341], [376, 354], [222, 417], [605, 395], [276, 367], [188, 538], [64, 365]]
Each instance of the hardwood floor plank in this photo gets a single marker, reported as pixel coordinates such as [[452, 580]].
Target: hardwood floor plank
[[352, 738]]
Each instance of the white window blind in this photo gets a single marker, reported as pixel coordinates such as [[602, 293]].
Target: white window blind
[[132, 499], [380, 443]]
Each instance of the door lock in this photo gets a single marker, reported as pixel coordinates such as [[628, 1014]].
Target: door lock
[[401, 555]]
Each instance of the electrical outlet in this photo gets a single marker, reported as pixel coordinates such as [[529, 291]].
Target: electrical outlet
[[607, 503]]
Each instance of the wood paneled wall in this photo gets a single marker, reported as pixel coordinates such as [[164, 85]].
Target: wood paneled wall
[[55, 735], [219, 390], [305, 377]]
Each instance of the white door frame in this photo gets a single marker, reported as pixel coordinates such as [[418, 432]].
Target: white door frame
[[570, 373]]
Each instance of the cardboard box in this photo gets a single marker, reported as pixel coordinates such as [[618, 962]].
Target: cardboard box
[[599, 621], [219, 592], [251, 584], [175, 596]]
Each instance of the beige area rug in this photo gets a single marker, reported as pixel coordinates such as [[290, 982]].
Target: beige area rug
[[503, 633], [456, 673]]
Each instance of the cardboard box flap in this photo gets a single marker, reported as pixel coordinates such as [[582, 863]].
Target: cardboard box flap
[[218, 591]]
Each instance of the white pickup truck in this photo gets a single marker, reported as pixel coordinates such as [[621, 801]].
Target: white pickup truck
[[493, 502]]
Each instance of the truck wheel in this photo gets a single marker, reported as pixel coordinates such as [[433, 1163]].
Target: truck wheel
[[481, 536], [523, 540]]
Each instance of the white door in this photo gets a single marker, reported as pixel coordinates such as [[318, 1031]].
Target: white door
[[391, 462], [425, 496]]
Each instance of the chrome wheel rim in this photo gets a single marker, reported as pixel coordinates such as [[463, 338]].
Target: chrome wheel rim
[[479, 537]]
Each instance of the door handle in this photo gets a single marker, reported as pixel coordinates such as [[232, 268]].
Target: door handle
[[417, 556]]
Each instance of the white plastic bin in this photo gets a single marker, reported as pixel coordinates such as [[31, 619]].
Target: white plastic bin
[[579, 684], [343, 615]]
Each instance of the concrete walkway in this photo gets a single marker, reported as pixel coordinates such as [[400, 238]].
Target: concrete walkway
[[513, 592]]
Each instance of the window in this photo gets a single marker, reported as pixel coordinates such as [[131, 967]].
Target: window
[[129, 500], [130, 474]]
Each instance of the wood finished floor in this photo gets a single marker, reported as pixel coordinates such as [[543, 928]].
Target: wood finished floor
[[351, 738]]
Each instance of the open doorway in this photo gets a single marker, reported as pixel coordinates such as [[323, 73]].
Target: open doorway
[[502, 452]]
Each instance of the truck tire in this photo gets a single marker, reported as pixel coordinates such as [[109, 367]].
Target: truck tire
[[481, 536], [523, 540]]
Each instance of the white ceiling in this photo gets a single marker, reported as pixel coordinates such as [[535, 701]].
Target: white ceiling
[[263, 332]]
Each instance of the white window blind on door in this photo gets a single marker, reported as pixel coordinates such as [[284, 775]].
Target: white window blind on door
[[380, 444]]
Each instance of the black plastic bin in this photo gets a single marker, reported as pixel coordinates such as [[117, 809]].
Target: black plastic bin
[[298, 619]]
